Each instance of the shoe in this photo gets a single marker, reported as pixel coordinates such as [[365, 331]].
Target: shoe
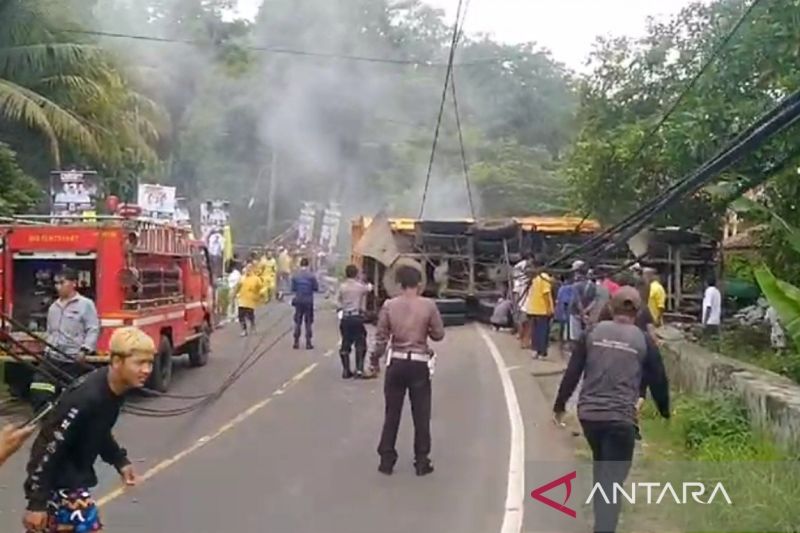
[[309, 346], [359, 374], [346, 374], [296, 345], [243, 334], [423, 469], [386, 468]]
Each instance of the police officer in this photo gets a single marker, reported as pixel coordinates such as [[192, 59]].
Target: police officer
[[304, 285], [72, 328], [351, 299], [408, 320]]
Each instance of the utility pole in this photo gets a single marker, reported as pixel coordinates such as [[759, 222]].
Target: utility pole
[[273, 184]]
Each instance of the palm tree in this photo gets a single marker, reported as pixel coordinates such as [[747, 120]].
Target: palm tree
[[68, 92]]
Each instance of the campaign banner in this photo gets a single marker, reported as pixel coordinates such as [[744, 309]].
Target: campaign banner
[[329, 232], [182, 216], [157, 201], [214, 217], [72, 192], [306, 223]]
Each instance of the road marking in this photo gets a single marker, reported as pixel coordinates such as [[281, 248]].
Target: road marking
[[202, 441], [515, 492]]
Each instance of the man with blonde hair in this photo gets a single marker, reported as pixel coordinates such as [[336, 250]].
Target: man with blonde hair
[[61, 467]]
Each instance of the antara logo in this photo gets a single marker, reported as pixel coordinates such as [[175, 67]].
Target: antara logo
[[641, 492]]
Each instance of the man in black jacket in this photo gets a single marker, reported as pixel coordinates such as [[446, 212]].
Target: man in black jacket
[[616, 360], [61, 467]]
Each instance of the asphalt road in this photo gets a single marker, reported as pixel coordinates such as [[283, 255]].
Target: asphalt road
[[291, 446]]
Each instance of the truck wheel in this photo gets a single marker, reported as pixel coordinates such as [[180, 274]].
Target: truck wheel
[[162, 367], [200, 348]]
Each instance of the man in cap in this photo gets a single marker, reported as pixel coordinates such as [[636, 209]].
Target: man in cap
[[616, 359]]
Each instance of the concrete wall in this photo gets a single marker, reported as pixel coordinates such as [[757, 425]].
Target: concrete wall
[[773, 401]]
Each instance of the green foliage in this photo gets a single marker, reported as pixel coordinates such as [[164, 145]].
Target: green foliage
[[708, 422], [18, 191], [634, 82], [740, 267]]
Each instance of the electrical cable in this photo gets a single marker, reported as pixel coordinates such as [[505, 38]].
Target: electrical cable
[[65, 380], [448, 72], [647, 210], [723, 43], [461, 144], [290, 51]]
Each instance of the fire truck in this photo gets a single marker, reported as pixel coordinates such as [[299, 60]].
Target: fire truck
[[139, 272]]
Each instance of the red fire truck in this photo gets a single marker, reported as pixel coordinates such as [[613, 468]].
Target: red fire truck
[[139, 272]]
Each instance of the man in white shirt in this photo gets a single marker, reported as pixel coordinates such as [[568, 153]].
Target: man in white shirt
[[234, 278], [712, 308]]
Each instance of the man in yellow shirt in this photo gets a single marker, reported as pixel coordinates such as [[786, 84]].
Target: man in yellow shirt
[[269, 268], [657, 298], [540, 307], [250, 292], [284, 272]]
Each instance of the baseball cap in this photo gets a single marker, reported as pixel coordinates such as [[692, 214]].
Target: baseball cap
[[625, 300]]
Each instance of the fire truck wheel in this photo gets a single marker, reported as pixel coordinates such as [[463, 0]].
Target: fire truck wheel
[[162, 367], [200, 348]]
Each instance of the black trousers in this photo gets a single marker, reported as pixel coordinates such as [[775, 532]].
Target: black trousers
[[354, 334], [247, 315], [43, 389], [612, 446], [541, 334], [414, 376], [303, 314]]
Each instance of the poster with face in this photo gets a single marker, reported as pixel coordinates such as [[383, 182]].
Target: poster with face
[[214, 217], [73, 191], [329, 232], [306, 222], [157, 201]]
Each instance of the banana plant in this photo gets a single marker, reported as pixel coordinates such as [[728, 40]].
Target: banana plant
[[781, 295]]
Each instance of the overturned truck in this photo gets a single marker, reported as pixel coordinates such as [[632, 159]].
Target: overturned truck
[[465, 264]]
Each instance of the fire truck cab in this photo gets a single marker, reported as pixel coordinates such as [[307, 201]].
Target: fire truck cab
[[139, 272]]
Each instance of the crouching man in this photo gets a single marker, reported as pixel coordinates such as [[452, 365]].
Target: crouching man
[[61, 467]]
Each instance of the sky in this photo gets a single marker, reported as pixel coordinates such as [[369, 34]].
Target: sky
[[567, 27]]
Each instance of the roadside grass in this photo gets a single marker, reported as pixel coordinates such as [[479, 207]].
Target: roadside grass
[[710, 439], [752, 345]]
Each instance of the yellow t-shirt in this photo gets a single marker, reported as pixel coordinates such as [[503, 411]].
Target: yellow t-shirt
[[284, 263], [540, 302], [250, 289], [657, 301]]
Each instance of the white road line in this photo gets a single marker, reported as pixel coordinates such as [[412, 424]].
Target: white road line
[[515, 492]]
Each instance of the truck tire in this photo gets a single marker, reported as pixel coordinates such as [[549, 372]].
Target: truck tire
[[161, 377], [200, 348], [454, 319], [451, 306], [504, 228]]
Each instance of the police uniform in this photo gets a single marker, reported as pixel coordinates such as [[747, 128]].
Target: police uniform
[[352, 294], [408, 321]]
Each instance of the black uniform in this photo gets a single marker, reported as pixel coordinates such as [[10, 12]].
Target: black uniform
[[72, 437], [409, 321]]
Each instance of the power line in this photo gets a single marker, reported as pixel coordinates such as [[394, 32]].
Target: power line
[[290, 51], [699, 74], [461, 144], [448, 72], [598, 240]]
